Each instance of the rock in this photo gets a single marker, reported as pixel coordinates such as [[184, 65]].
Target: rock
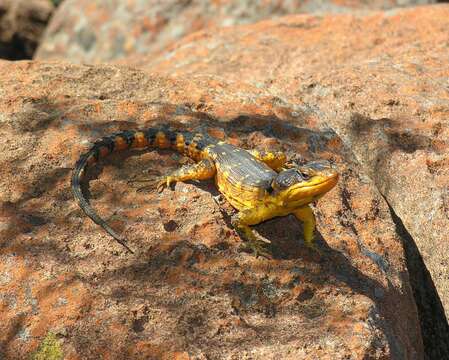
[[98, 31], [380, 81], [22, 23], [188, 292]]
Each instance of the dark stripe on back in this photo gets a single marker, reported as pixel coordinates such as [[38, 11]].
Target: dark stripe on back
[[128, 136], [188, 138], [171, 136], [107, 142], [150, 135]]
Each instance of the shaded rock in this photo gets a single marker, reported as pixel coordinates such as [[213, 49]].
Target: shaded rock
[[380, 81], [22, 23], [97, 31], [188, 291]]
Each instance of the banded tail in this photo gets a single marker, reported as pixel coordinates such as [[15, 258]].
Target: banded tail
[[184, 142]]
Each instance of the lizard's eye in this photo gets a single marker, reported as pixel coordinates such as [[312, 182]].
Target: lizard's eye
[[303, 175]]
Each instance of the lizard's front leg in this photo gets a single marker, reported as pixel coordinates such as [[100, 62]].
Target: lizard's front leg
[[242, 221], [275, 160], [306, 215]]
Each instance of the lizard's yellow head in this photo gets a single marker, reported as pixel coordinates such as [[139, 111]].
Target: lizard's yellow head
[[305, 183]]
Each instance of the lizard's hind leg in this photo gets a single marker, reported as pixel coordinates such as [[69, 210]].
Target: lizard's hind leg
[[151, 181], [203, 170]]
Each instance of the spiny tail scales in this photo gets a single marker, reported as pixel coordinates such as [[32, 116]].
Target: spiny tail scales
[[184, 142]]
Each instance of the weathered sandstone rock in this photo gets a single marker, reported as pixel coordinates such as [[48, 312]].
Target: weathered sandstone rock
[[98, 30], [188, 292]]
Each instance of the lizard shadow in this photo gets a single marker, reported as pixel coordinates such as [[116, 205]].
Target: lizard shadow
[[284, 233]]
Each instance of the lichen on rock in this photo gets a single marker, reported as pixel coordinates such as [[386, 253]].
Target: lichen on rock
[[49, 349]]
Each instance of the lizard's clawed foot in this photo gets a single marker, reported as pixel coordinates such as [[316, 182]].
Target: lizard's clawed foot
[[154, 172], [314, 249], [258, 248], [154, 175], [158, 183], [163, 183], [151, 184], [251, 242], [219, 199]]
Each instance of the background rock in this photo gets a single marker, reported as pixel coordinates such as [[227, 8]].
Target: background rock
[[22, 23], [188, 292], [97, 30]]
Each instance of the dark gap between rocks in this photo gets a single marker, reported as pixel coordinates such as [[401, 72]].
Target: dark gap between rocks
[[434, 325], [15, 49]]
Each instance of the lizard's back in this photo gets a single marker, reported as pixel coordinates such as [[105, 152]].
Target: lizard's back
[[240, 177]]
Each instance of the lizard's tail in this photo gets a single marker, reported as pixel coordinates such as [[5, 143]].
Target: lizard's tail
[[183, 142], [84, 205]]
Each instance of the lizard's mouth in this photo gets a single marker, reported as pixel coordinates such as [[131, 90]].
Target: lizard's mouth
[[311, 189]]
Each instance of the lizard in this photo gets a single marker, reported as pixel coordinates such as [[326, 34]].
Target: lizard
[[260, 185]]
